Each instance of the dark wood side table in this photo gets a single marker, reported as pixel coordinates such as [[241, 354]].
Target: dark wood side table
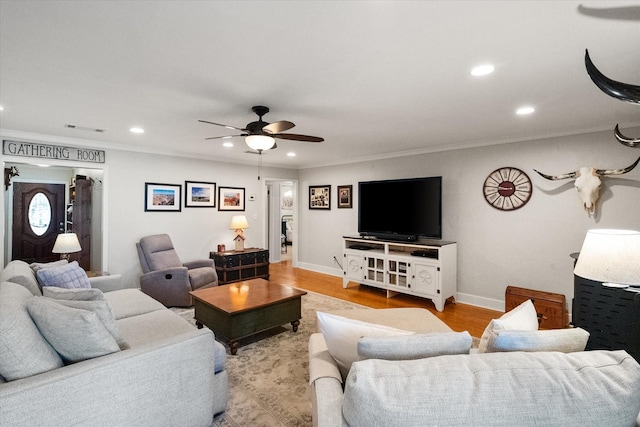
[[234, 266]]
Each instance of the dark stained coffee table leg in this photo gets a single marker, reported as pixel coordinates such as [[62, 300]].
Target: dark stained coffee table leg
[[233, 347], [295, 325]]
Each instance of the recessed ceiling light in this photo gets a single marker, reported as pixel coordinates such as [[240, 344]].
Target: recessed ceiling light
[[523, 111], [1, 108], [482, 70], [137, 130], [228, 144], [291, 154]]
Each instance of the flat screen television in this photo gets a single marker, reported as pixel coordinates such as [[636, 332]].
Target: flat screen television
[[401, 209]]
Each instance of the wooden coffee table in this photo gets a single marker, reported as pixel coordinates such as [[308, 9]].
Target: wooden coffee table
[[242, 309]]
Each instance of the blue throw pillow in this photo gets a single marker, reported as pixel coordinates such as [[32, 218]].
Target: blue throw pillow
[[70, 276]]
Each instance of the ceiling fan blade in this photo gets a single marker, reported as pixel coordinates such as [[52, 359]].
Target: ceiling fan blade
[[296, 137], [226, 126], [226, 136], [277, 127]]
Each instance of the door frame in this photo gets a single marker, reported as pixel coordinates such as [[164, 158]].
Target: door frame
[[6, 217], [272, 228]]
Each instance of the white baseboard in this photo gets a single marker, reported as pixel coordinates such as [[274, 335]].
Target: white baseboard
[[320, 269], [491, 304]]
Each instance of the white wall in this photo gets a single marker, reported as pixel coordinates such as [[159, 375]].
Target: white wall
[[194, 231], [528, 247]]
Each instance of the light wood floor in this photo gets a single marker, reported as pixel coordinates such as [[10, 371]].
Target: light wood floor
[[459, 317]]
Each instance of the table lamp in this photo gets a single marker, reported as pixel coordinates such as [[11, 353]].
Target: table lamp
[[66, 243], [239, 223], [611, 257]]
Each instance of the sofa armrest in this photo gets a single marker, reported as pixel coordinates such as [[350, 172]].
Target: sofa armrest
[[109, 283], [321, 363], [170, 380], [326, 384], [199, 263]]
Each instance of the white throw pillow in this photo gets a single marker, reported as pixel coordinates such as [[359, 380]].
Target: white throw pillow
[[342, 335], [521, 318]]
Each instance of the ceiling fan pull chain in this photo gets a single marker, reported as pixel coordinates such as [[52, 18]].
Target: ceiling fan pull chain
[[259, 163]]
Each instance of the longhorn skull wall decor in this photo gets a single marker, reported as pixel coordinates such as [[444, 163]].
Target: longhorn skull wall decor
[[622, 91], [587, 182]]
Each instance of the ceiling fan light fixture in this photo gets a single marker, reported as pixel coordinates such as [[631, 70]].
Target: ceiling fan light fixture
[[260, 142]]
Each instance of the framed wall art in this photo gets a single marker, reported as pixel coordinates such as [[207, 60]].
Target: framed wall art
[[230, 199], [161, 197], [344, 196], [199, 194], [320, 197]]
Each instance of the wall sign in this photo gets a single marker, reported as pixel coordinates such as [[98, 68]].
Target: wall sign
[[57, 152]]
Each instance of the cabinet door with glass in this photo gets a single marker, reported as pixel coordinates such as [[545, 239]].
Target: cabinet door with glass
[[425, 278], [374, 269], [398, 271]]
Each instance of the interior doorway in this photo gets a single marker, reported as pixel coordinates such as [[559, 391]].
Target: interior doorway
[[281, 214]]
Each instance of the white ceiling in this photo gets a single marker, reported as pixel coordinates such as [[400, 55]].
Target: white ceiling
[[375, 79]]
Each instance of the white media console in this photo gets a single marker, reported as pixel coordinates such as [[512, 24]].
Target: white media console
[[390, 265]]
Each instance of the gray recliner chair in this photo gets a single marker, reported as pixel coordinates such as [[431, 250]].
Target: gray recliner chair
[[168, 280]]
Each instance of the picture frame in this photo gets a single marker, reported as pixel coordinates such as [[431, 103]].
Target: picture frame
[[320, 197], [162, 197], [198, 194], [345, 199], [231, 198]]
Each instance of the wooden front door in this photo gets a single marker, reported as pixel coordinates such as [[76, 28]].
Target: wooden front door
[[38, 218]]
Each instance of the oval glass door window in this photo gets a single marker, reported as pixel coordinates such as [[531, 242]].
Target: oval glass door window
[[39, 214]]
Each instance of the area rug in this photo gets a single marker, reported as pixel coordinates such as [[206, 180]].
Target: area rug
[[269, 376]]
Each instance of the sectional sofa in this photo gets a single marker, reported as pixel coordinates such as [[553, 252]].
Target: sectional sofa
[[385, 375], [160, 371]]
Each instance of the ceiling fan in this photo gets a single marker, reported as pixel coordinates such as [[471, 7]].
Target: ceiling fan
[[260, 135]]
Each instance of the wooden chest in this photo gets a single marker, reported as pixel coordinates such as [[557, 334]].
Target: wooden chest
[[551, 308]]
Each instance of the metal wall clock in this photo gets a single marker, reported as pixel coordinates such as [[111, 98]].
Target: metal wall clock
[[507, 189]]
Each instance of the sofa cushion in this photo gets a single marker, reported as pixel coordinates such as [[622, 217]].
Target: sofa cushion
[[418, 320], [131, 302], [70, 275], [564, 340], [23, 350], [521, 318], [75, 334], [150, 327], [416, 346], [19, 272], [342, 335], [591, 388], [75, 294]]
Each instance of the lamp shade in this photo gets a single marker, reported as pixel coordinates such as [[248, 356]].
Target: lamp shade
[[66, 243], [260, 142], [610, 256], [239, 222]]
